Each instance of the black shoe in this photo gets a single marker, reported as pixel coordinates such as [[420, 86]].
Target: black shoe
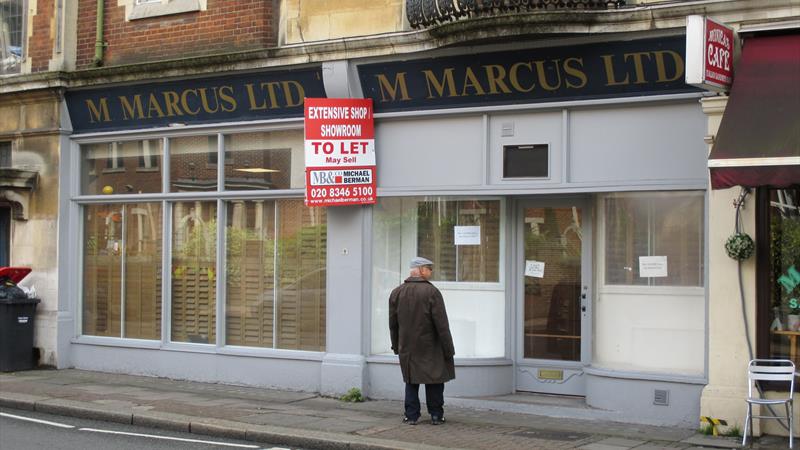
[[408, 421], [437, 420]]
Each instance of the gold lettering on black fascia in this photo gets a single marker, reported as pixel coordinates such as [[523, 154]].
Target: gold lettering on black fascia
[[294, 93], [204, 100], [154, 106], [98, 113], [495, 77], [131, 110], [439, 85], [171, 100], [546, 71], [661, 69], [611, 78], [185, 102], [638, 65], [227, 100], [471, 81], [390, 90], [514, 76], [573, 67]]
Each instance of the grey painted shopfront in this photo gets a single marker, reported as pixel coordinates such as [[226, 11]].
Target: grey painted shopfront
[[574, 158]]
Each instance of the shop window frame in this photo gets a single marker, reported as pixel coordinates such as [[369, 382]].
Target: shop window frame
[[167, 200], [763, 265]]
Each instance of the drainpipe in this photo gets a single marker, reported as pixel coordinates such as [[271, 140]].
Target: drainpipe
[[98, 43]]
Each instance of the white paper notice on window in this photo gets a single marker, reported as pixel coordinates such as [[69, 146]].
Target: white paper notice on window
[[467, 235], [652, 266], [534, 269]]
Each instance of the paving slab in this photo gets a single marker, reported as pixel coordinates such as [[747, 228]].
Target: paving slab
[[301, 419]]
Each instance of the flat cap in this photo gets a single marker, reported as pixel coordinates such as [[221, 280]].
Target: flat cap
[[419, 261]]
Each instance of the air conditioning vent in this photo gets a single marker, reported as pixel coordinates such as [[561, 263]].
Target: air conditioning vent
[[661, 397]]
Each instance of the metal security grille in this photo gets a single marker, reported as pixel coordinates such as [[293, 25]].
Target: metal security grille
[[424, 13], [11, 31]]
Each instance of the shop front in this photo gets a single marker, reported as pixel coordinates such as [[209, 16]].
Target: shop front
[[755, 162], [559, 187]]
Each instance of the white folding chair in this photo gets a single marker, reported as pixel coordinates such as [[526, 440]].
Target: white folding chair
[[775, 370]]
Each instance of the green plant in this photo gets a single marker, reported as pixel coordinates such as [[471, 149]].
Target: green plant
[[707, 430], [733, 431], [353, 396], [739, 246]]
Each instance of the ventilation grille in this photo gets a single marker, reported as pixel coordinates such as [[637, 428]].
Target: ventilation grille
[[661, 397]]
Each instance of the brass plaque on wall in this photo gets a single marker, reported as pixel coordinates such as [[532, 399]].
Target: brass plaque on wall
[[551, 374]]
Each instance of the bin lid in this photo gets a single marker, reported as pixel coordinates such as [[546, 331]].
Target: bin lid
[[15, 274]]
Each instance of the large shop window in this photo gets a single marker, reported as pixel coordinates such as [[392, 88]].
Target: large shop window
[[122, 270], [779, 272], [274, 249], [464, 239], [654, 224]]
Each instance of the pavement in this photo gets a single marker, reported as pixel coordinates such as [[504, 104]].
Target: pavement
[[307, 420]]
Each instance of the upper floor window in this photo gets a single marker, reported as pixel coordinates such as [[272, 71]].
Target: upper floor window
[[12, 25], [5, 154]]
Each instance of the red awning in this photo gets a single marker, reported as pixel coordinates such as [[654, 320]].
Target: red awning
[[758, 142]]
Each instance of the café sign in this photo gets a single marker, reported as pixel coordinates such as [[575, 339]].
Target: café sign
[[709, 54]]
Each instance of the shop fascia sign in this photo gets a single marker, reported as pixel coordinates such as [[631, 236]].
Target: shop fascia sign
[[266, 95], [591, 71], [339, 152], [709, 54]]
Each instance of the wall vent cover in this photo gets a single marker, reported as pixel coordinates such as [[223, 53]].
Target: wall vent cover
[[661, 397]]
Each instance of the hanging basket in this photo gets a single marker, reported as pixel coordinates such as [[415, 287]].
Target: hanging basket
[[739, 246]]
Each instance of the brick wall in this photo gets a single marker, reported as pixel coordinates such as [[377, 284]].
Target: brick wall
[[226, 26], [40, 43]]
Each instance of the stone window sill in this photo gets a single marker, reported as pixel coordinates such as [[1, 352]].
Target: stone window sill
[[148, 10]]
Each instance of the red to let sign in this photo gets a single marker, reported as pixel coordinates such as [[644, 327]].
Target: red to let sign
[[709, 54], [339, 152]]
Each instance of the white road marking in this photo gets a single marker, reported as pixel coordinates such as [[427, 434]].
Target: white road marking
[[169, 438], [30, 419]]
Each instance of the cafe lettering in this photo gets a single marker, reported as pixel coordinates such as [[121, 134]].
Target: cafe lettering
[[645, 67]]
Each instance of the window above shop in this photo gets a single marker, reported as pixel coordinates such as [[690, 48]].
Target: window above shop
[[12, 30], [142, 9]]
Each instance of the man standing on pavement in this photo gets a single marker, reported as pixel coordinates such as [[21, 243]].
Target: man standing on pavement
[[421, 336]]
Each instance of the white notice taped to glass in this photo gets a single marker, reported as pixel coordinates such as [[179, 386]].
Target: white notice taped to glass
[[652, 266], [467, 235], [534, 269]]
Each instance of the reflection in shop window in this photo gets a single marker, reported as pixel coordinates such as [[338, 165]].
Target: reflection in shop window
[[666, 224], [438, 224], [468, 274], [264, 160], [12, 29], [194, 267], [782, 207], [116, 167], [122, 270], [189, 170], [275, 269]]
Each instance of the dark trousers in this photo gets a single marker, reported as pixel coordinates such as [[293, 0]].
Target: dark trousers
[[434, 399]]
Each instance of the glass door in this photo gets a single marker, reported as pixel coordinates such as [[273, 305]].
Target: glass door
[[554, 307]]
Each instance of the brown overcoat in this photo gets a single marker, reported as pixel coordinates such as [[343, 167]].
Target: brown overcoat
[[421, 333]]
